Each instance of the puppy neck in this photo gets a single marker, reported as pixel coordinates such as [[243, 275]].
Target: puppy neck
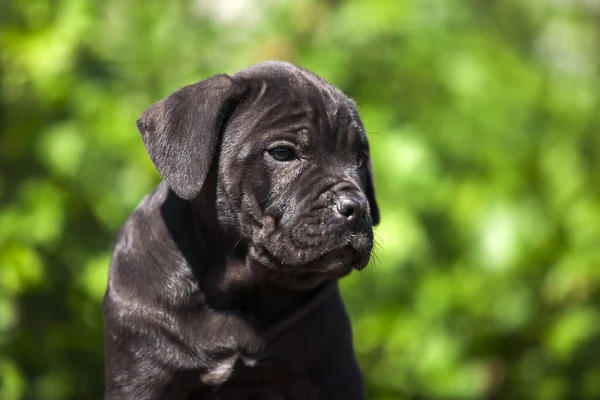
[[217, 241], [225, 268]]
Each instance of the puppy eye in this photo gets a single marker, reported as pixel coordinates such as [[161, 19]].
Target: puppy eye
[[282, 153]]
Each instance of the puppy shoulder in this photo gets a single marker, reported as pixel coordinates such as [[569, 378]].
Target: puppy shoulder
[[142, 224], [145, 257]]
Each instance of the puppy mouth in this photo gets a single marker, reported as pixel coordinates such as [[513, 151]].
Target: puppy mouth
[[333, 264], [310, 248]]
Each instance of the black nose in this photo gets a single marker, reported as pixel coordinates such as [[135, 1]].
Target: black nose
[[352, 207]]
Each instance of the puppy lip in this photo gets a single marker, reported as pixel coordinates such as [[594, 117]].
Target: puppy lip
[[360, 266], [336, 262], [351, 252]]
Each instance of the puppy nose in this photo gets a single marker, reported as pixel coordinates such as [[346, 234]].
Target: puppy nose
[[353, 209]]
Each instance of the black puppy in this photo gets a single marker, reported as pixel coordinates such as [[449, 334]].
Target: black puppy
[[223, 282]]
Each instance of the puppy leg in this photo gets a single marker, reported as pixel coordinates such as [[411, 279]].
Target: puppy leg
[[151, 384], [140, 381], [136, 370]]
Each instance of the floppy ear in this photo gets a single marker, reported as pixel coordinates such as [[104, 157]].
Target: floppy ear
[[181, 132], [370, 192]]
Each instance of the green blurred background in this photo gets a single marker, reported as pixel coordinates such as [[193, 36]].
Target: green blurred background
[[484, 122]]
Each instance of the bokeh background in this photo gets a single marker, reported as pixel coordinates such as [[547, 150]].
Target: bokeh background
[[484, 122]]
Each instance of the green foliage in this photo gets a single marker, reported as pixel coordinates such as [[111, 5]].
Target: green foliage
[[483, 121]]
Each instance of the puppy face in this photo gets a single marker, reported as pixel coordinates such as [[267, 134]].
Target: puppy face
[[294, 175], [294, 168]]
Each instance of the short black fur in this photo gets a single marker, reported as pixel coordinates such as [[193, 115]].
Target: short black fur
[[223, 282]]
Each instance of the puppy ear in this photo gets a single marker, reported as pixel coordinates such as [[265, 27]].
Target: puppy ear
[[181, 132], [370, 192]]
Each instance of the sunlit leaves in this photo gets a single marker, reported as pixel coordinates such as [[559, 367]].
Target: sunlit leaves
[[12, 382], [483, 123]]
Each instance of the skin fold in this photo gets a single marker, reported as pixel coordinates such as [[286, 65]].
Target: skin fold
[[224, 281]]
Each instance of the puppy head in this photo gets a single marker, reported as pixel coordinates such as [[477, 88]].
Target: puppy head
[[294, 177]]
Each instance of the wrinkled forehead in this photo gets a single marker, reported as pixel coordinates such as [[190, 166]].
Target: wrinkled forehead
[[302, 103]]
